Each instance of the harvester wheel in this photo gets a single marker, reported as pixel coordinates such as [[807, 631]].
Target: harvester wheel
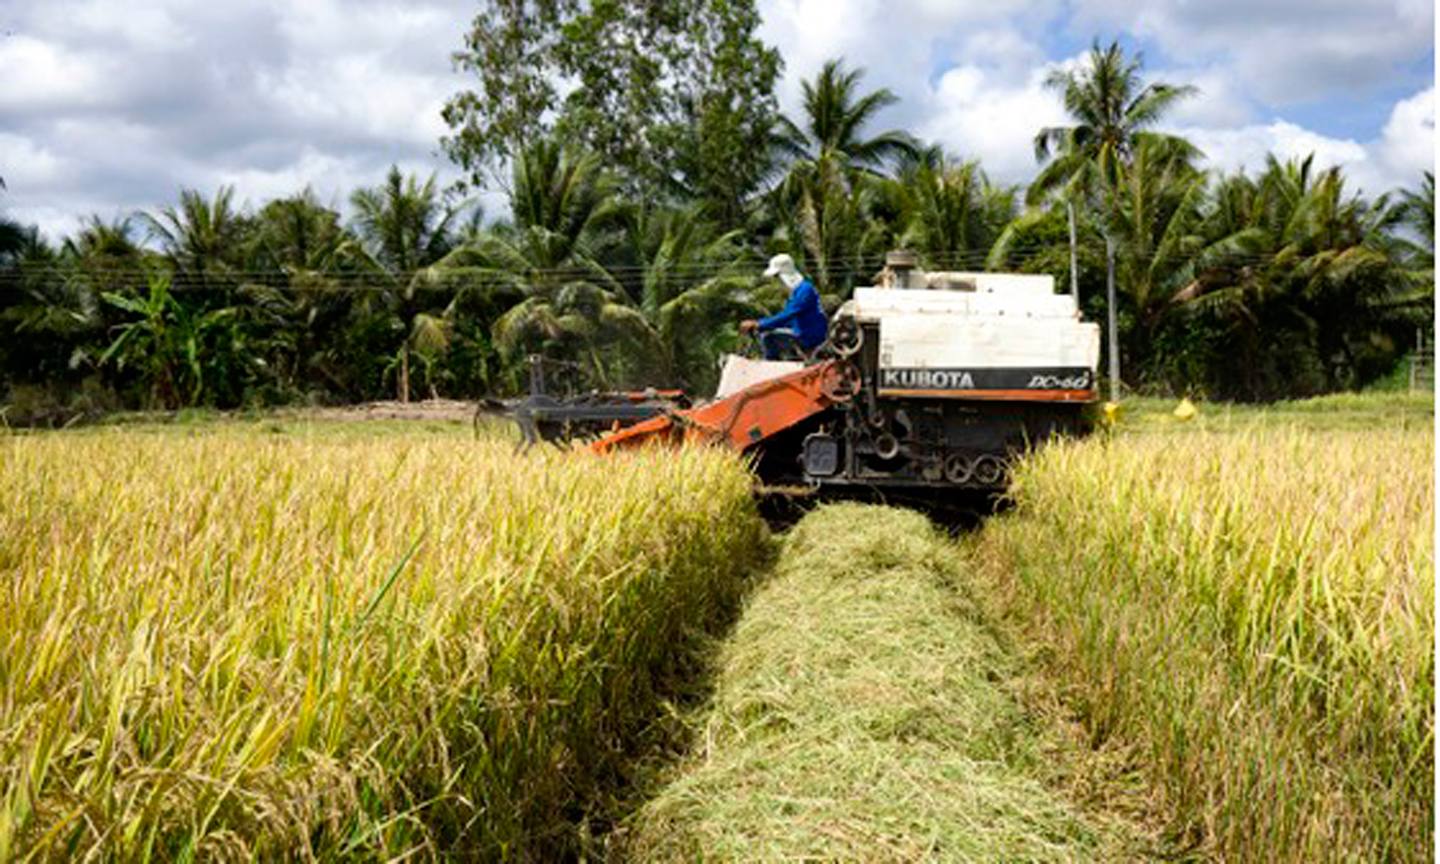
[[958, 468], [887, 446], [845, 337], [989, 470]]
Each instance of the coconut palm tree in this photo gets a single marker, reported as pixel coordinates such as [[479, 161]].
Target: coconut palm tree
[[697, 281], [1412, 222], [824, 197], [300, 261], [953, 213], [48, 314], [1154, 212], [1302, 275], [12, 240], [1113, 113], [296, 233], [403, 223], [565, 215], [835, 117], [404, 226], [203, 240]]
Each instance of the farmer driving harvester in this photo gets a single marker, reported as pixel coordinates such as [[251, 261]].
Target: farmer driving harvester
[[800, 326]]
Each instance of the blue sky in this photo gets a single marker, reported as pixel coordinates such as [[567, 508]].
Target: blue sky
[[112, 106]]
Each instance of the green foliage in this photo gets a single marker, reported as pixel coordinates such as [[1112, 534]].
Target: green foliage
[[1229, 286], [827, 200], [955, 215], [1300, 274], [1112, 111], [676, 94], [175, 350]]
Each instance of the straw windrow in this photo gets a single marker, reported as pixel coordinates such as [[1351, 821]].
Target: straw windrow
[[861, 714]]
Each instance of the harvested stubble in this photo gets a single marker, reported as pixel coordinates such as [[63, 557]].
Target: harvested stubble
[[232, 646], [1255, 614], [860, 714]]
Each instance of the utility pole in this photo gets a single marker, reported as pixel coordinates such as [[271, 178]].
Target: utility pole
[[1074, 267], [1110, 314]]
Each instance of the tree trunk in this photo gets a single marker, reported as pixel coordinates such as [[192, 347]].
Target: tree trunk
[[405, 373], [1110, 314], [1074, 266]]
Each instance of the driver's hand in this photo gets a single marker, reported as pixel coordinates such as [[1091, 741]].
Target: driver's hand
[[749, 325]]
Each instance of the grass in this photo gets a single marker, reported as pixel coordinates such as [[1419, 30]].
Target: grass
[[1339, 411], [861, 713], [1248, 602], [235, 644], [296, 423]]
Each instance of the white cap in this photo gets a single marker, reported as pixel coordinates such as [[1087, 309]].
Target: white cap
[[780, 264]]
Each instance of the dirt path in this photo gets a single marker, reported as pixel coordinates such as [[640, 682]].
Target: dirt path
[[429, 409]]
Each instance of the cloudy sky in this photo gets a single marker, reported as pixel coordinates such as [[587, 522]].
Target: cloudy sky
[[112, 106]]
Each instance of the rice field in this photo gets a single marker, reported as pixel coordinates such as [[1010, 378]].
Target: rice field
[[234, 645], [285, 640], [1249, 606]]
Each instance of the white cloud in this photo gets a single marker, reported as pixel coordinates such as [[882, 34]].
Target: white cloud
[[145, 26], [1220, 100], [1285, 52], [313, 169], [903, 45], [40, 75], [977, 116], [112, 107], [1404, 149], [24, 158]]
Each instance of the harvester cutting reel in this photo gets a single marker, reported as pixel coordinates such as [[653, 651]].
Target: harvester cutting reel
[[557, 412]]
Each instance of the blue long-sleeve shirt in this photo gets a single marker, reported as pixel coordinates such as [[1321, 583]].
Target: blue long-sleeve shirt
[[802, 313]]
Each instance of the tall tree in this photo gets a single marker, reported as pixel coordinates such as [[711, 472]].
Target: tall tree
[[404, 226], [565, 215], [653, 83], [1113, 113], [403, 222], [203, 239], [1154, 212], [1300, 274], [697, 283], [1413, 226], [826, 197], [300, 260], [953, 214], [834, 120]]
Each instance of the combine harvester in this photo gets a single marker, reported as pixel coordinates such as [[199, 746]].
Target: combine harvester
[[929, 385]]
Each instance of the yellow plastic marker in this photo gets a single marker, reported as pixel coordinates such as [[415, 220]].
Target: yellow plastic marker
[[1185, 410]]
